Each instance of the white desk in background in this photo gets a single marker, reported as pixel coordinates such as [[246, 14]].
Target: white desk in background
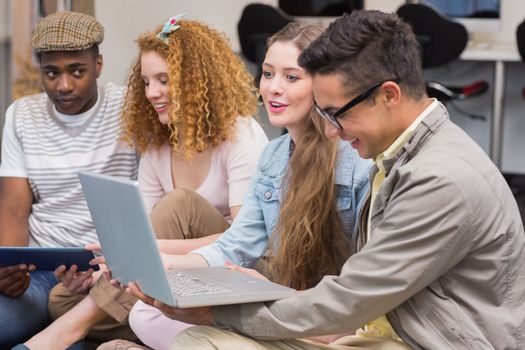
[[499, 53]]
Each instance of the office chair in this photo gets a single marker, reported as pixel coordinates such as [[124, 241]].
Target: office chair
[[257, 23], [520, 40], [441, 42], [314, 8]]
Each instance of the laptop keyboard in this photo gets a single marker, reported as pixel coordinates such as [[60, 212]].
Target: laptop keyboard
[[183, 284]]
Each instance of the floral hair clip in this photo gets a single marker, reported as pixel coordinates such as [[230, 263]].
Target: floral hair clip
[[169, 27]]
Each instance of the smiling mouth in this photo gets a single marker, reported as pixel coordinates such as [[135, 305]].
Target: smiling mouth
[[277, 104], [159, 106], [349, 139]]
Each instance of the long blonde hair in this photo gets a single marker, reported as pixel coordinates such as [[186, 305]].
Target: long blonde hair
[[309, 233], [209, 88]]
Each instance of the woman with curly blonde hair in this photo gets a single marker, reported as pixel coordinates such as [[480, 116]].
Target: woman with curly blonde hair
[[207, 85], [188, 112]]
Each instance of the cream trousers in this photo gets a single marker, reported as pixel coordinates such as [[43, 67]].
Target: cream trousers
[[207, 338]]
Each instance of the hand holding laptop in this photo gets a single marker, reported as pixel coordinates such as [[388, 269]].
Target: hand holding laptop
[[97, 252], [195, 315], [251, 272], [202, 316]]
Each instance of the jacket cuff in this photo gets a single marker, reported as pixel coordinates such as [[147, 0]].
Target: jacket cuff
[[228, 317], [212, 255]]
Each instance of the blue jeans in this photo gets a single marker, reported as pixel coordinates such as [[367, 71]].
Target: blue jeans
[[23, 317]]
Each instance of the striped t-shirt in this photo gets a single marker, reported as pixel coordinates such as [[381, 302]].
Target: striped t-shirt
[[53, 150]]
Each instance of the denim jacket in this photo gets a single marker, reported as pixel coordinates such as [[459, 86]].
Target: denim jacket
[[247, 238]]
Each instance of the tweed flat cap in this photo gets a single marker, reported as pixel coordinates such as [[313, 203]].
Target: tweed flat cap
[[66, 31]]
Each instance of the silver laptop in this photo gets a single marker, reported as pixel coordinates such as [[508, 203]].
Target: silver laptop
[[131, 252]]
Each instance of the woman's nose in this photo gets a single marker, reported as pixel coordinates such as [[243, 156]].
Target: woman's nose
[[275, 86], [152, 91]]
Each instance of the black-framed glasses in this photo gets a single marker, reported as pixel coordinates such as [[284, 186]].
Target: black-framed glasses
[[332, 118]]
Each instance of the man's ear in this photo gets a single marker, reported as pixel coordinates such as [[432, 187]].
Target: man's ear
[[99, 62], [392, 93]]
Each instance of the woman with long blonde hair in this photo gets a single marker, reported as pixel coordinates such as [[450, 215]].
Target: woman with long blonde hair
[[303, 202]]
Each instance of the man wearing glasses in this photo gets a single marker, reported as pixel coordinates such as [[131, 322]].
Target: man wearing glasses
[[440, 252]]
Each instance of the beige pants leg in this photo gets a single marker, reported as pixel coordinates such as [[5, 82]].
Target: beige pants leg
[[185, 214], [115, 302], [179, 214], [208, 338]]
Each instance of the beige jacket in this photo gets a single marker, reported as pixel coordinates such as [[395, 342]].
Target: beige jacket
[[446, 261]]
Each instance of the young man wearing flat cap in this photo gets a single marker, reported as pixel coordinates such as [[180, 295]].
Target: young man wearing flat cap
[[48, 137]]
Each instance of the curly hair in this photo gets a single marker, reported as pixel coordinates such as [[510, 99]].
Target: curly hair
[[209, 88], [309, 234]]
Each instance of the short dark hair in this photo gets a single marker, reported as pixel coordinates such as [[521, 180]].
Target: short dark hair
[[366, 47], [93, 50]]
